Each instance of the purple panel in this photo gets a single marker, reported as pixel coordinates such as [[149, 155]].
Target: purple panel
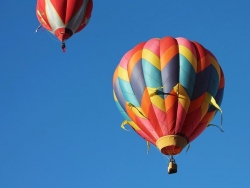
[[119, 95], [170, 74], [201, 83], [137, 81]]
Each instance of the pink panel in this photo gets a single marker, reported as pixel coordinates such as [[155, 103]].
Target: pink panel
[[188, 44], [154, 46], [161, 121], [181, 115], [124, 61]]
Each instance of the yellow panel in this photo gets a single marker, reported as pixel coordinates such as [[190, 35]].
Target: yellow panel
[[123, 73], [151, 58], [132, 124], [158, 102], [205, 105], [183, 50], [137, 111], [151, 90], [183, 98]]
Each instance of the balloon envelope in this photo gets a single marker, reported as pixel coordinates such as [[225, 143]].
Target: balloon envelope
[[168, 90], [63, 18]]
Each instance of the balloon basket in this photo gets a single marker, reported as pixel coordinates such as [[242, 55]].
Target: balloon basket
[[172, 166]]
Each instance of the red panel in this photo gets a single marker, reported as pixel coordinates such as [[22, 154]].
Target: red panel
[[171, 103], [66, 9], [63, 34], [166, 43], [154, 46], [141, 123], [145, 136], [202, 125], [171, 118], [162, 120], [195, 104], [222, 79], [154, 121], [201, 53], [147, 128], [41, 8], [181, 116], [191, 122]]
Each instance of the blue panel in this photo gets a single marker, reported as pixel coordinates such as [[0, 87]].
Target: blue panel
[[152, 75], [124, 114], [128, 92], [187, 75]]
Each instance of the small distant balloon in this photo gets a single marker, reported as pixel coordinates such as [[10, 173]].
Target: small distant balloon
[[63, 18]]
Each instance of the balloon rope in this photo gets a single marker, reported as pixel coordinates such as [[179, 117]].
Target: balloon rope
[[53, 38], [164, 156], [215, 126], [148, 147]]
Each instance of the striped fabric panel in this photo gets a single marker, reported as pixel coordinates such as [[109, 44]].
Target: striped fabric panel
[[208, 81], [41, 15]]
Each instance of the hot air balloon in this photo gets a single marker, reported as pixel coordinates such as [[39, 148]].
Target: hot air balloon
[[63, 18], [168, 90]]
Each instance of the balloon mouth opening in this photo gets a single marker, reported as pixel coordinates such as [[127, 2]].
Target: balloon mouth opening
[[63, 34], [171, 144]]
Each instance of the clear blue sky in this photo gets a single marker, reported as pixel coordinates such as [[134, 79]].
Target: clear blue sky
[[59, 125]]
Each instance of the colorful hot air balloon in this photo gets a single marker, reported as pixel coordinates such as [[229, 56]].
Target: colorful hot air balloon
[[63, 18], [168, 91]]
